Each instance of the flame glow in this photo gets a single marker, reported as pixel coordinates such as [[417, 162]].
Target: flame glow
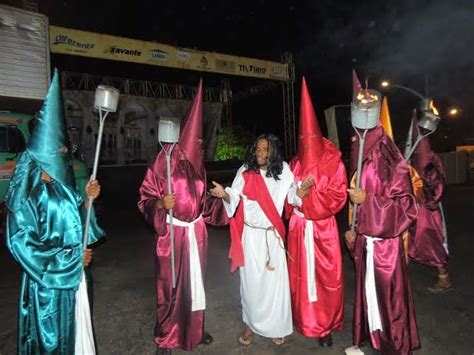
[[433, 108], [367, 97]]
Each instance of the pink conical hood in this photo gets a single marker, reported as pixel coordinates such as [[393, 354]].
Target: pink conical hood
[[356, 85], [191, 137]]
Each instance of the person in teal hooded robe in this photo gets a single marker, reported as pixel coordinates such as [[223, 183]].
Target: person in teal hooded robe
[[44, 233]]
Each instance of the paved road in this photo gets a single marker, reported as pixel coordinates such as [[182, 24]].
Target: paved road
[[124, 291]]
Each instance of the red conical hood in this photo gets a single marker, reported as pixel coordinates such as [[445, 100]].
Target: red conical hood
[[310, 140], [191, 138], [356, 86]]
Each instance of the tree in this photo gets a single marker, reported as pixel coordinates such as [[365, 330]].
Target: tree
[[232, 145]]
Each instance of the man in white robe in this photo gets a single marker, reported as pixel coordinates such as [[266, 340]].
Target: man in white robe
[[255, 201]]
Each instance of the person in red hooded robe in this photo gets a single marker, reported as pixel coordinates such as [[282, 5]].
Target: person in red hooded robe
[[315, 262], [384, 310], [429, 244], [180, 310]]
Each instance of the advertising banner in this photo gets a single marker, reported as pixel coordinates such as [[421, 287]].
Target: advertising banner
[[95, 45]]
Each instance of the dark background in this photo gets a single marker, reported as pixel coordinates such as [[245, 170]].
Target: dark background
[[423, 44]]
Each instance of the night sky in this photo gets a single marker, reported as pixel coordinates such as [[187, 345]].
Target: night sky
[[410, 42]]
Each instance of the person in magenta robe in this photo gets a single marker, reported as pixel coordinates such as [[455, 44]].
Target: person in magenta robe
[[315, 262], [384, 310], [429, 243], [180, 310]]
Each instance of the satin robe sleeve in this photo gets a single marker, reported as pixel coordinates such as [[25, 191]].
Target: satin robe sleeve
[[50, 265], [388, 214], [235, 192], [150, 193], [95, 232], [293, 199], [290, 186], [433, 186], [214, 212], [327, 196]]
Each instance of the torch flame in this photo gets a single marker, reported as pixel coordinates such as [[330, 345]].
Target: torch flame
[[365, 97], [433, 108]]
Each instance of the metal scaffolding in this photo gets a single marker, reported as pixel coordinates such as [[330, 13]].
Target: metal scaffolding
[[289, 117], [289, 120], [154, 89], [144, 88], [227, 107]]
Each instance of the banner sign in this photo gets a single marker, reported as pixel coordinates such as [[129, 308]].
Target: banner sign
[[96, 45]]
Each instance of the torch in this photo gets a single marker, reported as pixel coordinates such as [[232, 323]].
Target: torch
[[168, 132], [429, 122], [106, 100], [365, 112]]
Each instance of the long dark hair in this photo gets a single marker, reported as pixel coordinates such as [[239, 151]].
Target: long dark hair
[[275, 158]]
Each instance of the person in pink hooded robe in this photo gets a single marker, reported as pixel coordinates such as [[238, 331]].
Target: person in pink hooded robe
[[429, 245], [384, 310], [180, 310]]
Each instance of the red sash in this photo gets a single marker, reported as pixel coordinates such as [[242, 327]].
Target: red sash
[[254, 189]]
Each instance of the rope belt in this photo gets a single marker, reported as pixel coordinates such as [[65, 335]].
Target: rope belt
[[268, 262]]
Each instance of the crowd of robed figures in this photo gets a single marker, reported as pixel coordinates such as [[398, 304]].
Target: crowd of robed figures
[[290, 277]]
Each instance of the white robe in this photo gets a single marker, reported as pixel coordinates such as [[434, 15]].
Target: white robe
[[265, 295]]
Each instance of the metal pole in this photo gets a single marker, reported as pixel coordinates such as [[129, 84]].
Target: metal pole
[[445, 230], [170, 211], [93, 176], [426, 85], [414, 92], [409, 140], [412, 150], [359, 172]]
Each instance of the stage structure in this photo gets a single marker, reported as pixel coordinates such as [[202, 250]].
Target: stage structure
[[96, 45], [130, 134]]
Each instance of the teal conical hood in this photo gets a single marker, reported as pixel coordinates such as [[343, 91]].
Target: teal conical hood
[[49, 143]]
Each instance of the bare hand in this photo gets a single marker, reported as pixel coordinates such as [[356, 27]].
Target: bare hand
[[350, 237], [306, 185], [86, 260], [168, 202], [93, 189], [357, 196], [217, 191]]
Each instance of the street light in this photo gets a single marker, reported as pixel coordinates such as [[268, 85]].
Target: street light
[[387, 84], [453, 112]]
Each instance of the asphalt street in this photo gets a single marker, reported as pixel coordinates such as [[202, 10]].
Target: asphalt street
[[124, 300]]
